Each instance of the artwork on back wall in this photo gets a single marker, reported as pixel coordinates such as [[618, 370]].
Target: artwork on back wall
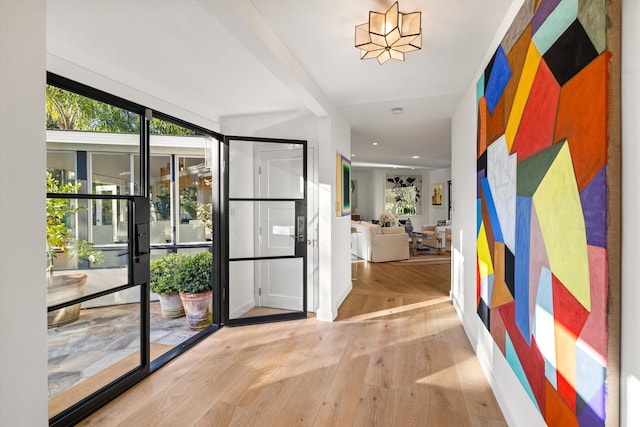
[[436, 194], [403, 195], [547, 192]]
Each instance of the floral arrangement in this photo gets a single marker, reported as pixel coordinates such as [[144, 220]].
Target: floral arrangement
[[387, 219]]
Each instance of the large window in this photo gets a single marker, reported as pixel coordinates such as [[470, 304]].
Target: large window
[[108, 326]]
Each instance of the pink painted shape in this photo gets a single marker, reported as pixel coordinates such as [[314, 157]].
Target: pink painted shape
[[537, 259], [594, 332]]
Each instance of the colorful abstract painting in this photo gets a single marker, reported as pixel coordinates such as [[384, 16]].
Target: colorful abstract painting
[[543, 205]]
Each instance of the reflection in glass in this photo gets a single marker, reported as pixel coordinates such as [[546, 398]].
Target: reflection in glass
[[261, 229], [260, 170], [86, 355]]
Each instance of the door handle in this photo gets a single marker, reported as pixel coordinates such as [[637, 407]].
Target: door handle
[[300, 227]]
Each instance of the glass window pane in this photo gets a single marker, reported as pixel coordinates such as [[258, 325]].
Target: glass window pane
[[102, 345], [81, 126], [181, 184], [111, 173], [261, 229], [259, 170], [195, 200], [265, 287]]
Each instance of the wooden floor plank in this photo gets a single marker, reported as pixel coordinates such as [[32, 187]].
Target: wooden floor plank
[[395, 356]]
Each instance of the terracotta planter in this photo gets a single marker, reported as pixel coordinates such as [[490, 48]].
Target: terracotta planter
[[171, 305], [199, 309], [64, 288]]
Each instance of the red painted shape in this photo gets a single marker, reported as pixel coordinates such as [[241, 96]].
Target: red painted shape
[[567, 311], [557, 412], [498, 330], [535, 132], [594, 332], [566, 391], [529, 356], [582, 118]]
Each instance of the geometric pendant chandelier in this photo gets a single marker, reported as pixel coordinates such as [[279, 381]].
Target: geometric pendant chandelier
[[389, 35]]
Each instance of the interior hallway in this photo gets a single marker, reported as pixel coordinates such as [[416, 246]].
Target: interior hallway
[[396, 356]]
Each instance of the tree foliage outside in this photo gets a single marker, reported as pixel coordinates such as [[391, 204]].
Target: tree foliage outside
[[71, 111]]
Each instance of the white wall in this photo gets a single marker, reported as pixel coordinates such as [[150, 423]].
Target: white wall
[[630, 369], [340, 252], [23, 325]]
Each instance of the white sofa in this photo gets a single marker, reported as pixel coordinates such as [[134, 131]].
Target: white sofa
[[379, 244]]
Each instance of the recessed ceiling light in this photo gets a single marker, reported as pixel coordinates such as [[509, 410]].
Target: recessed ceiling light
[[374, 143], [353, 155], [415, 157]]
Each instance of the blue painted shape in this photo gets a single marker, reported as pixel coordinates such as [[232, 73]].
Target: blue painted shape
[[523, 233], [557, 23], [490, 282], [493, 214], [500, 75], [550, 373], [590, 414], [594, 208], [480, 177], [514, 362], [590, 377], [544, 299], [484, 290]]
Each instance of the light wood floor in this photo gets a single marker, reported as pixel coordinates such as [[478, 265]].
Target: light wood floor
[[396, 356]]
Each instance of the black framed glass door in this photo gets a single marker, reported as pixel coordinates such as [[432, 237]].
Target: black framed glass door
[[266, 206], [94, 356]]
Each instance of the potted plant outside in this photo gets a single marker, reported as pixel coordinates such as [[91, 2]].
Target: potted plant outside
[[60, 240], [193, 280], [162, 277]]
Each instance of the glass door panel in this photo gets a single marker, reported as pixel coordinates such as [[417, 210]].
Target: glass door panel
[[267, 228], [95, 299]]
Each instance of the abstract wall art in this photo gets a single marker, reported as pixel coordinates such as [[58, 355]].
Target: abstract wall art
[[403, 195], [343, 186], [548, 206]]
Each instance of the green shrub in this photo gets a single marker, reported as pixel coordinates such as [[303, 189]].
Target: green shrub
[[162, 274], [196, 274]]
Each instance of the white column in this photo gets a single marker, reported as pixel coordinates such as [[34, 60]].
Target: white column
[[23, 323]]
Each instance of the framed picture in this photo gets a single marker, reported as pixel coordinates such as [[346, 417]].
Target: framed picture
[[403, 195], [436, 194], [343, 186]]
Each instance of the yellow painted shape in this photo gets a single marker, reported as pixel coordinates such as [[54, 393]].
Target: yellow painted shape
[[559, 210], [529, 71], [565, 353], [484, 255]]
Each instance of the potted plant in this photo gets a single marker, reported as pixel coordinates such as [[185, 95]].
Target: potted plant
[[162, 275], [193, 280], [60, 240]]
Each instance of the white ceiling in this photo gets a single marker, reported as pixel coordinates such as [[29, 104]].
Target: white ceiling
[[224, 59]]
